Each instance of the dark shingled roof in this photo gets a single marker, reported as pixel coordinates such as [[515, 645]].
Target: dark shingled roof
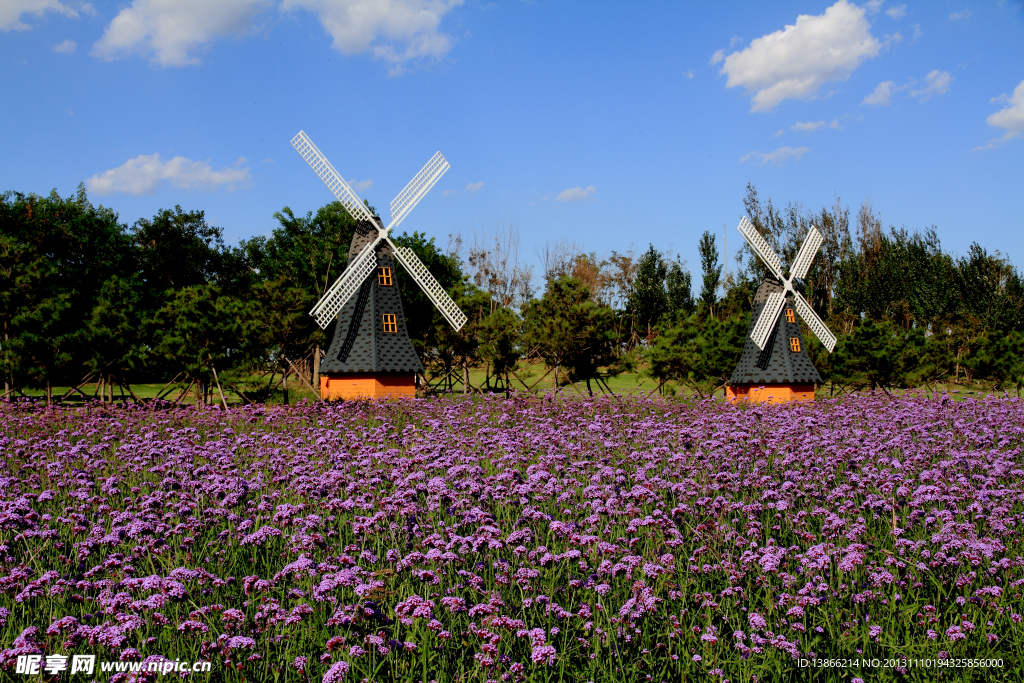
[[777, 363], [359, 342]]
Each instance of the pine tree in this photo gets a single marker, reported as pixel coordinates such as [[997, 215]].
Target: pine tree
[[648, 300], [679, 290], [711, 270]]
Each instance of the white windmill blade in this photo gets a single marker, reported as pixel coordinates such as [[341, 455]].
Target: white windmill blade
[[761, 247], [806, 255], [345, 286], [766, 321], [455, 317], [332, 179], [417, 188], [807, 314]]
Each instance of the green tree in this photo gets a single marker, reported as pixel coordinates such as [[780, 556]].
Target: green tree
[[872, 356], [55, 256], [117, 331], [711, 271], [309, 251], [648, 300], [177, 249], [699, 352], [679, 293], [444, 349], [499, 334], [205, 330], [568, 329]]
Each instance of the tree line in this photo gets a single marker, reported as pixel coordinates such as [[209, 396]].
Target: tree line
[[85, 297]]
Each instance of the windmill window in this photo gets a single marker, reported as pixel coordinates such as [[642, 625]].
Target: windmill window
[[794, 344], [390, 323], [789, 316], [384, 276]]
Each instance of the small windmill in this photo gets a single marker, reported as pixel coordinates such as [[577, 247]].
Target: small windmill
[[370, 354], [774, 366]]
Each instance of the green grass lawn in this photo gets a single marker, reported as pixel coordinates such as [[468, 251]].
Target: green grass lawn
[[526, 376]]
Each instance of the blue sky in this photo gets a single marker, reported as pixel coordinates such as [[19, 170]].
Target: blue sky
[[608, 124]]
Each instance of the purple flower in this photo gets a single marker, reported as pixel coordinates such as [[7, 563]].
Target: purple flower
[[543, 654], [954, 633], [238, 642], [193, 627], [336, 673], [757, 621]]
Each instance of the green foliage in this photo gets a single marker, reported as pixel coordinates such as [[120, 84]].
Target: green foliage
[[738, 299], [55, 256], [500, 340], [903, 277], [177, 249], [308, 251], [990, 291], [679, 290], [998, 357], [648, 300], [700, 351], [568, 329], [711, 270], [881, 354], [443, 347], [117, 329], [82, 293], [203, 327]]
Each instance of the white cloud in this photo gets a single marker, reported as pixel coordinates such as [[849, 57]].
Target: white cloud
[[776, 157], [778, 133], [917, 31], [447, 192], [395, 31], [688, 73], [145, 173], [873, 6], [575, 194], [718, 56], [962, 14], [11, 12], [936, 83], [360, 185], [891, 39], [807, 126], [881, 95], [473, 187], [897, 12], [797, 61], [835, 124], [735, 40], [173, 30], [1010, 118], [66, 48]]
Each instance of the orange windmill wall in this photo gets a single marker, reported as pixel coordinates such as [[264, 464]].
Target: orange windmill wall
[[353, 386], [770, 393]]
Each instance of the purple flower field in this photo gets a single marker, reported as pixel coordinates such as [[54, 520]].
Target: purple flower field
[[519, 540]]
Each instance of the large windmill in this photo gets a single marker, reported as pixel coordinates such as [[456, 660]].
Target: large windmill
[[370, 354], [774, 366]]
